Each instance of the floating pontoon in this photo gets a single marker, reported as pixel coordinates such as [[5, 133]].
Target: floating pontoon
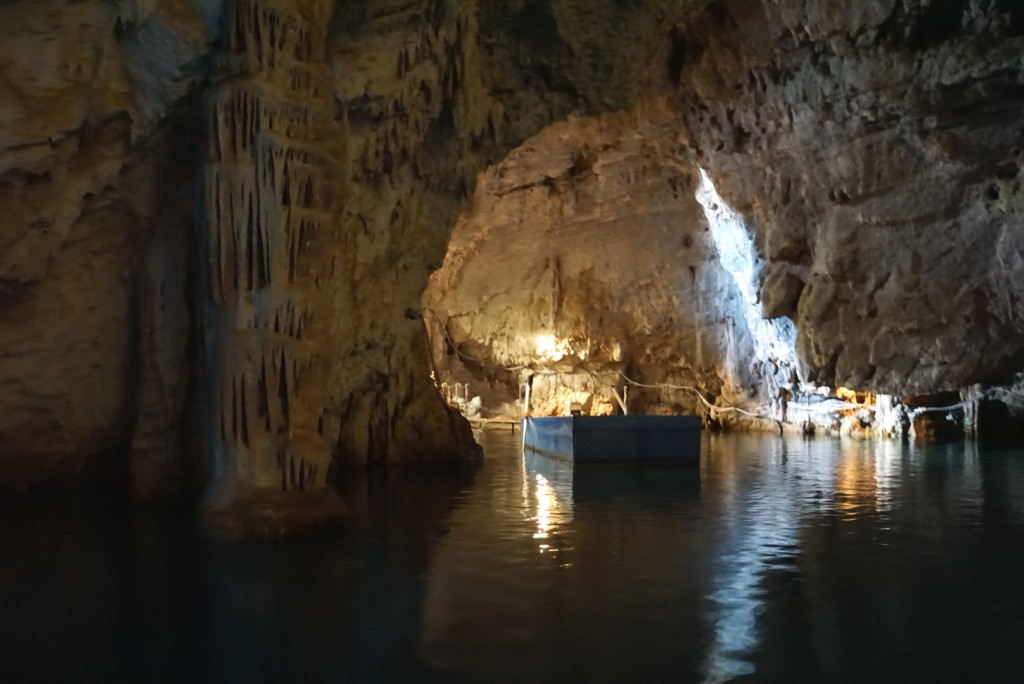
[[614, 438]]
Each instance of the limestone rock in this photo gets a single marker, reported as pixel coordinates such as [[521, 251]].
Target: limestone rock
[[873, 151], [589, 234], [342, 140], [253, 216], [462, 84], [876, 149], [85, 183]]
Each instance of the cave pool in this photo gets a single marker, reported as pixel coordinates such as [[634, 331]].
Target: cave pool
[[778, 559]]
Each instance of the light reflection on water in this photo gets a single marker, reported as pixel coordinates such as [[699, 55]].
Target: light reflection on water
[[760, 534], [769, 533], [547, 487], [775, 560], [793, 487]]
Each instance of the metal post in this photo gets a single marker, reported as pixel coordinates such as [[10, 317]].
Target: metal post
[[622, 401]]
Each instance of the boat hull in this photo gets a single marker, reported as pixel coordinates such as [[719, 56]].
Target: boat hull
[[614, 438]]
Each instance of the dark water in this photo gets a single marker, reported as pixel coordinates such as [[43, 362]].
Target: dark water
[[776, 560]]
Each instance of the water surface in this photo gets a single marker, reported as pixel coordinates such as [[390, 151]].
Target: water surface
[[774, 560]]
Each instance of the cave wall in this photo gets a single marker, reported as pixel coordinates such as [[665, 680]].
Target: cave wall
[[875, 149], [432, 93], [872, 152], [272, 187], [97, 198], [220, 209], [590, 232]]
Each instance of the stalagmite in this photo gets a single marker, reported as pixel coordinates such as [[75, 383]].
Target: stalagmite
[[890, 416], [971, 398]]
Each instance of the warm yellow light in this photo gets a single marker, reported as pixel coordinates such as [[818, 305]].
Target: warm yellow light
[[547, 511], [854, 397], [550, 348], [846, 394], [547, 506]]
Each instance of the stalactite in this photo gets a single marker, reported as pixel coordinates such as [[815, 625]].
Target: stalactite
[[234, 409], [264, 399], [244, 415], [248, 228], [282, 391], [269, 154]]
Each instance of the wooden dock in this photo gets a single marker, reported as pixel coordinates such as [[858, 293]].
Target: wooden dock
[[505, 424]]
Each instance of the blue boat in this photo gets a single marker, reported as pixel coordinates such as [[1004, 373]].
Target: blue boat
[[580, 439]]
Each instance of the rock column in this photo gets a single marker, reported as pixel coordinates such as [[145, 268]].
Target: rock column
[[272, 188]]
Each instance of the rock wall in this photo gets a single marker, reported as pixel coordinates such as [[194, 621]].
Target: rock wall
[[232, 229], [97, 207], [272, 187], [253, 195], [590, 234], [432, 93], [876, 149], [872, 154]]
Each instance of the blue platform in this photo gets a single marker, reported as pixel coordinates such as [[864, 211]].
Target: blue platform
[[579, 439]]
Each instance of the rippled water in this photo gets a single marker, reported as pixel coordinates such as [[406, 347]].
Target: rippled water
[[775, 560]]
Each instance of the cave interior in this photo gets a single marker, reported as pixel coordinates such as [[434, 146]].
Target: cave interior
[[251, 244]]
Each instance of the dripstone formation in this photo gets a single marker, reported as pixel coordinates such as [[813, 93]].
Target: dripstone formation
[[272, 190], [220, 219], [871, 152]]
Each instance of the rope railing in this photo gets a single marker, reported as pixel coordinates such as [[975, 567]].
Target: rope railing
[[825, 406], [828, 406], [459, 352], [712, 408], [931, 409]]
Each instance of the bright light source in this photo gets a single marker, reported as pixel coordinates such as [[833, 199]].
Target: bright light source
[[854, 397], [774, 340], [550, 348]]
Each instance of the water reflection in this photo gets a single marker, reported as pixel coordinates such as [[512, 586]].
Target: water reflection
[[546, 505], [774, 494], [547, 490], [780, 560], [760, 536], [864, 480], [886, 472], [576, 581], [549, 511]]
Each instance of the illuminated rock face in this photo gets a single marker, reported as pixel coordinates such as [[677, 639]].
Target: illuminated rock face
[[876, 150], [873, 152], [432, 94], [240, 226], [583, 259]]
